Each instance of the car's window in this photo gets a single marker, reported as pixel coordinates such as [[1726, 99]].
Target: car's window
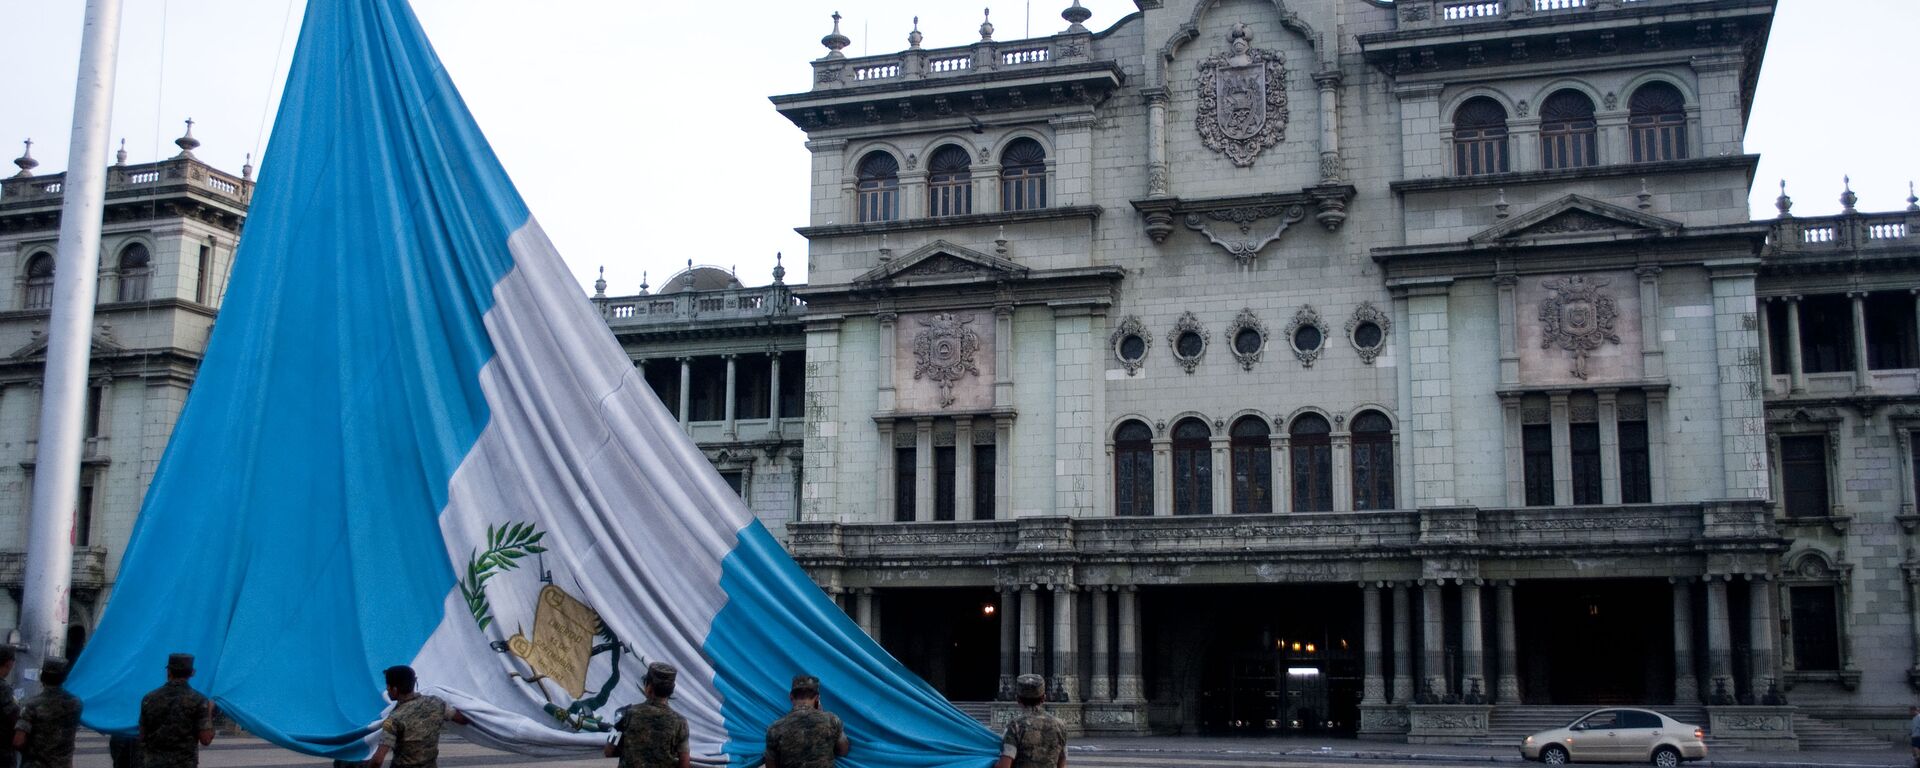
[[1632, 719], [1602, 719]]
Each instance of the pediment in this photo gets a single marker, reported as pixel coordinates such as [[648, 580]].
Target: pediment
[[1576, 216], [942, 260], [38, 347]]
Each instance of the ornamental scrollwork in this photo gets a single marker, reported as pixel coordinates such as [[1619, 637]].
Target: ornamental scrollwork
[[1368, 343], [1315, 340], [943, 351], [1130, 337], [1247, 351], [1243, 99], [1577, 317], [1247, 245], [1189, 341]]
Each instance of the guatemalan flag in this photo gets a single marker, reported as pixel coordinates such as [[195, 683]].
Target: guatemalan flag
[[413, 441]]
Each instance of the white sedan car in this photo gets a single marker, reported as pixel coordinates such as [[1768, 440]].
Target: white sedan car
[[1618, 735]]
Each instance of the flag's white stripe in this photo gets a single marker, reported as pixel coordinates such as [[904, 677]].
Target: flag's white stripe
[[636, 523]]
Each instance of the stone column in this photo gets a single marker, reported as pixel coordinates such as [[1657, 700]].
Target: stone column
[[686, 390], [1221, 478], [1009, 642], [1402, 644], [1002, 465], [1131, 687], [773, 394], [1162, 472], [883, 466], [1508, 305], [1686, 689], [1433, 628], [923, 468], [1766, 346], [1508, 691], [886, 396], [1064, 644], [1761, 630], [1100, 688], [1719, 643], [1796, 372], [863, 611], [1157, 171], [1029, 629], [1743, 424], [1280, 469], [1653, 364], [1607, 405], [1862, 377], [1562, 425], [732, 428], [1342, 467], [1373, 686], [1330, 165], [963, 468], [1473, 679]]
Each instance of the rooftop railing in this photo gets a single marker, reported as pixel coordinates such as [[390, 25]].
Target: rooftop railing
[[1428, 13], [174, 174], [1846, 232], [706, 306], [986, 56]]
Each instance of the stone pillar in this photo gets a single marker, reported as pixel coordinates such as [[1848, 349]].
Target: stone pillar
[[1342, 442], [1029, 629], [1402, 644], [1508, 691], [1221, 478], [1862, 377], [1002, 465], [1508, 305], [1796, 373], [1162, 471], [886, 394], [1131, 687], [1607, 404], [1766, 346], [773, 393], [1428, 428], [863, 612], [1157, 170], [1686, 688], [1373, 686], [686, 390], [1009, 642], [1330, 165], [923, 468], [1562, 425], [1433, 627], [1653, 364], [1719, 644], [883, 466], [1100, 688], [1280, 468], [732, 428], [1743, 424], [1761, 630], [1064, 645], [963, 468], [1473, 676]]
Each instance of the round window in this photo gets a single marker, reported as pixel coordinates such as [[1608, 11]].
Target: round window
[[1307, 338], [1189, 345], [1367, 335], [1247, 341], [1132, 347]]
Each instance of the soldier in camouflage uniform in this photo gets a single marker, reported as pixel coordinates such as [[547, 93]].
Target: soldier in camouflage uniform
[[1035, 739], [652, 735], [48, 721], [411, 731], [9, 709], [175, 720], [806, 737]]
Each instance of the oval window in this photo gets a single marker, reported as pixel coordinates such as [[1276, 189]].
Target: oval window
[[1132, 347], [1367, 335], [1190, 345], [1307, 338], [1247, 341]]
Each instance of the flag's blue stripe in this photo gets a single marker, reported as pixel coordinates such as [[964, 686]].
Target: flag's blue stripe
[[289, 539], [777, 624]]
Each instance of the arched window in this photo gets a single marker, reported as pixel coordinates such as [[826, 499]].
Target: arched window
[[1192, 468], [1311, 446], [39, 293], [1133, 470], [1567, 131], [136, 270], [949, 182], [879, 187], [1372, 461], [1479, 137], [1023, 176], [1252, 467], [1658, 121]]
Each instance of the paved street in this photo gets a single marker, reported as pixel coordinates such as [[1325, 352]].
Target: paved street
[[243, 752]]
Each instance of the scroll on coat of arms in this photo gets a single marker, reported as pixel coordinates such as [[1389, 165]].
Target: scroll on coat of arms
[[1243, 99]]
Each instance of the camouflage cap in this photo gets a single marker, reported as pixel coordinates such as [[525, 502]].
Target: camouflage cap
[[661, 672], [53, 666], [1029, 686], [806, 685], [180, 664]]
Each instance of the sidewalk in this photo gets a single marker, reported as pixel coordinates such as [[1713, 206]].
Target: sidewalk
[[1355, 749]]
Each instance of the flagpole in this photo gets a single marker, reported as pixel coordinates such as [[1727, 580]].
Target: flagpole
[[56, 474]]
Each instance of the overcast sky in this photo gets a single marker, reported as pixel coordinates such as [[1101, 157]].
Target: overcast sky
[[641, 135]]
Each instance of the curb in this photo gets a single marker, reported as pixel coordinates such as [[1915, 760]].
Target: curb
[[1444, 757]]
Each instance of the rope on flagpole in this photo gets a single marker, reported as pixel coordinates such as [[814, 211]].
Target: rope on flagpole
[[266, 99]]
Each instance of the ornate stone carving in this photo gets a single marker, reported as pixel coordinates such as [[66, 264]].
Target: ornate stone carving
[[1243, 99], [1194, 334], [1246, 246], [1573, 221], [1307, 317], [943, 352], [1130, 328], [1578, 317], [1246, 323], [1363, 315], [1414, 12]]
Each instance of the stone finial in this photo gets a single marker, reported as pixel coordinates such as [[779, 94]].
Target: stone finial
[[246, 168], [187, 143], [120, 157], [779, 270], [1644, 200], [600, 285], [1784, 203], [1501, 209], [26, 162], [1076, 16], [643, 283], [1913, 200], [914, 37], [834, 41], [1848, 198], [986, 25]]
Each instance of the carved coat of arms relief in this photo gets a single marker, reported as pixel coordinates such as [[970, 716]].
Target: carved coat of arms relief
[[1578, 317], [943, 352], [1243, 99]]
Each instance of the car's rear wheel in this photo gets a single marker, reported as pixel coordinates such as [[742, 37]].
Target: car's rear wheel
[[1554, 755], [1666, 757]]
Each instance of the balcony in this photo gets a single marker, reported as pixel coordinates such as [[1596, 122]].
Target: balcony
[[1816, 244], [1418, 14], [686, 308], [176, 175], [89, 568]]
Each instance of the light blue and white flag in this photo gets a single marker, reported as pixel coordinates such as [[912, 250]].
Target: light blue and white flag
[[413, 441]]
